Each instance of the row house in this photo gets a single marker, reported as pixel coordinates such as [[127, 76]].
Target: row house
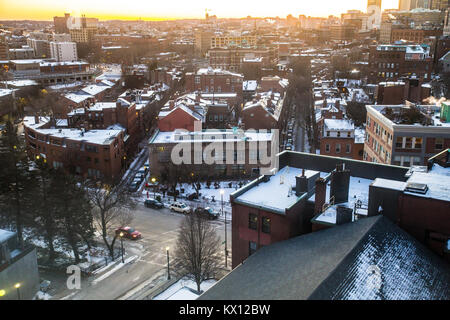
[[340, 138], [94, 154], [103, 115]]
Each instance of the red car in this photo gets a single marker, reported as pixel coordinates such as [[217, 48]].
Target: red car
[[129, 233]]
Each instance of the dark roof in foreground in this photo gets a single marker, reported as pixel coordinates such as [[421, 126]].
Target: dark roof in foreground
[[368, 259]]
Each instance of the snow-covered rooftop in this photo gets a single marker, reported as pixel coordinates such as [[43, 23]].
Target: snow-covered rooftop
[[104, 137], [212, 135], [78, 97], [338, 124], [249, 85], [278, 192]]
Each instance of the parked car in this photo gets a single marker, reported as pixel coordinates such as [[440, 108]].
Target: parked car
[[142, 171], [180, 207], [129, 233], [153, 203], [208, 213], [133, 186]]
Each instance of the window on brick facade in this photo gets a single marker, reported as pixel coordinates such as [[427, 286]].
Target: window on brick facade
[[252, 221], [418, 143], [347, 148], [408, 143], [399, 142], [338, 148], [327, 148], [439, 143]]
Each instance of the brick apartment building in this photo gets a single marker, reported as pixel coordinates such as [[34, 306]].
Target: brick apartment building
[[236, 159], [104, 115], [392, 62], [405, 135], [214, 81], [224, 41], [95, 154], [340, 138], [414, 35], [311, 192], [412, 90], [232, 58]]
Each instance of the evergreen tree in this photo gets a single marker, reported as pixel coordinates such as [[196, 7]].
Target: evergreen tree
[[14, 180]]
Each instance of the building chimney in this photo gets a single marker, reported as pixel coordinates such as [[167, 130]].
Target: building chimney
[[36, 119], [324, 104], [340, 182], [343, 215], [171, 104], [337, 104], [301, 184], [321, 194], [197, 97]]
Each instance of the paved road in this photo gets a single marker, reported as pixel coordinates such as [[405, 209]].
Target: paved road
[[159, 230]]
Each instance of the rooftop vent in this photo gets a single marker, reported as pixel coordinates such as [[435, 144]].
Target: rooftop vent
[[420, 188]]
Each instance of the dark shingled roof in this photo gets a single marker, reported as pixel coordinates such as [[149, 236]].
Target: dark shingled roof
[[368, 259]]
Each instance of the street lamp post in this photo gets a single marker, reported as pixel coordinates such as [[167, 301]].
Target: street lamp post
[[168, 265], [154, 187], [225, 221], [121, 243], [17, 286]]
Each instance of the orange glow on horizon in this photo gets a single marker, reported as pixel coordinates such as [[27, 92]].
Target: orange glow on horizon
[[176, 9]]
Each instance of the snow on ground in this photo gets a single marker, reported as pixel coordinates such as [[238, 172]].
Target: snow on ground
[[184, 289], [206, 196], [116, 268]]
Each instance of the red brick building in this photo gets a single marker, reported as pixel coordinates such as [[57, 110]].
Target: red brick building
[[420, 205], [414, 35], [340, 138], [392, 62], [214, 81], [95, 154], [103, 115], [266, 111], [180, 117], [412, 90], [282, 205]]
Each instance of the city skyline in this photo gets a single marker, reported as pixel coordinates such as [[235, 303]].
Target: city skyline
[[138, 9]]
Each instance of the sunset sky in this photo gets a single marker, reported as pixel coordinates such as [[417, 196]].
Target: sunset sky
[[175, 9]]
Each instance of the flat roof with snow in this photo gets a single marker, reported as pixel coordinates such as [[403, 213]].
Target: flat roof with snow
[[278, 193]]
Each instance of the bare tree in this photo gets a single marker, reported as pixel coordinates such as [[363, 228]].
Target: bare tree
[[198, 247], [112, 205]]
